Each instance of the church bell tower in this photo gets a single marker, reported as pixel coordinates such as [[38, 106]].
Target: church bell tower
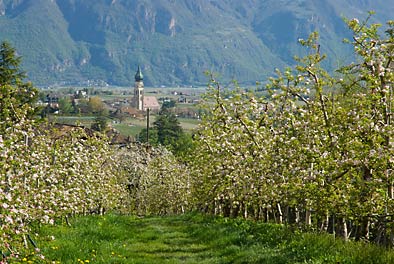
[[139, 90]]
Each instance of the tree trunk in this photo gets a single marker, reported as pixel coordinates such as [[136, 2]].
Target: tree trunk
[[280, 219], [291, 215], [226, 208], [308, 217], [325, 223], [344, 229], [245, 211], [363, 229], [267, 215], [234, 211], [297, 216]]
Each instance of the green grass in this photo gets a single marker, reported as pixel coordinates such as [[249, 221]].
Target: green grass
[[133, 127], [72, 120], [195, 239], [188, 124], [129, 129]]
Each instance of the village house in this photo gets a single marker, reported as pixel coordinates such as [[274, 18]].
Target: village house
[[52, 100]]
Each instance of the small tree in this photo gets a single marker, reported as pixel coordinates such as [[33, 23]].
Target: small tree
[[168, 104], [96, 105], [152, 136], [65, 105], [100, 124]]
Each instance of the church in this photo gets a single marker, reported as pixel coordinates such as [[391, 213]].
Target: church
[[140, 101]]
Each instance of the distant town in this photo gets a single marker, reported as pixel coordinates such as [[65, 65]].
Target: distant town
[[124, 107]]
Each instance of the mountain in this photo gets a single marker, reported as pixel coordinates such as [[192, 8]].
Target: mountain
[[174, 41]]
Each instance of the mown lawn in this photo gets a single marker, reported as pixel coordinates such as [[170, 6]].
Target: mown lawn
[[194, 239]]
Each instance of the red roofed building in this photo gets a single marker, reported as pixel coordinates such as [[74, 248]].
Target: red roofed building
[[151, 103]]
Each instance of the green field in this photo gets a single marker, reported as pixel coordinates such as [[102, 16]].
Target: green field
[[134, 126], [129, 127], [193, 238]]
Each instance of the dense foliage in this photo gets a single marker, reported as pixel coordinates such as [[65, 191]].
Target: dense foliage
[[17, 97], [317, 150], [167, 132], [48, 174], [156, 182]]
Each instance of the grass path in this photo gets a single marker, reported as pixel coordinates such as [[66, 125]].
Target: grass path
[[194, 239]]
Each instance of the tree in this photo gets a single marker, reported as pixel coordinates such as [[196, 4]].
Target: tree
[[100, 124], [371, 80], [96, 105], [168, 104], [18, 98], [82, 106], [65, 105], [168, 128], [168, 132], [153, 140], [10, 72]]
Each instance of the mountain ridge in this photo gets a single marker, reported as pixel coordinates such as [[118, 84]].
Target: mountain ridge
[[66, 42]]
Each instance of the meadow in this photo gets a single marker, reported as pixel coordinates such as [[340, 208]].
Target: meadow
[[194, 238]]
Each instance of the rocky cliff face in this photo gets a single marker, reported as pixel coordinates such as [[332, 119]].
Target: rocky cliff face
[[2, 8], [175, 41]]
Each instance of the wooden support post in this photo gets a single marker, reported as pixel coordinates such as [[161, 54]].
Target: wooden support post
[[147, 125]]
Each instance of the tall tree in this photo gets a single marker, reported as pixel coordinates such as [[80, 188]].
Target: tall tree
[[168, 128], [168, 132], [17, 99], [10, 72]]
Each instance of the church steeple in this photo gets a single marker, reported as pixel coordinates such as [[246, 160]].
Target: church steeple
[[138, 100], [139, 76]]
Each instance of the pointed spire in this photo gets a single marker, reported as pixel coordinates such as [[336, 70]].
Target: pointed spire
[[139, 76]]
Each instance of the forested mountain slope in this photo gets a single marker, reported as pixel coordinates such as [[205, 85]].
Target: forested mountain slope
[[175, 41]]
